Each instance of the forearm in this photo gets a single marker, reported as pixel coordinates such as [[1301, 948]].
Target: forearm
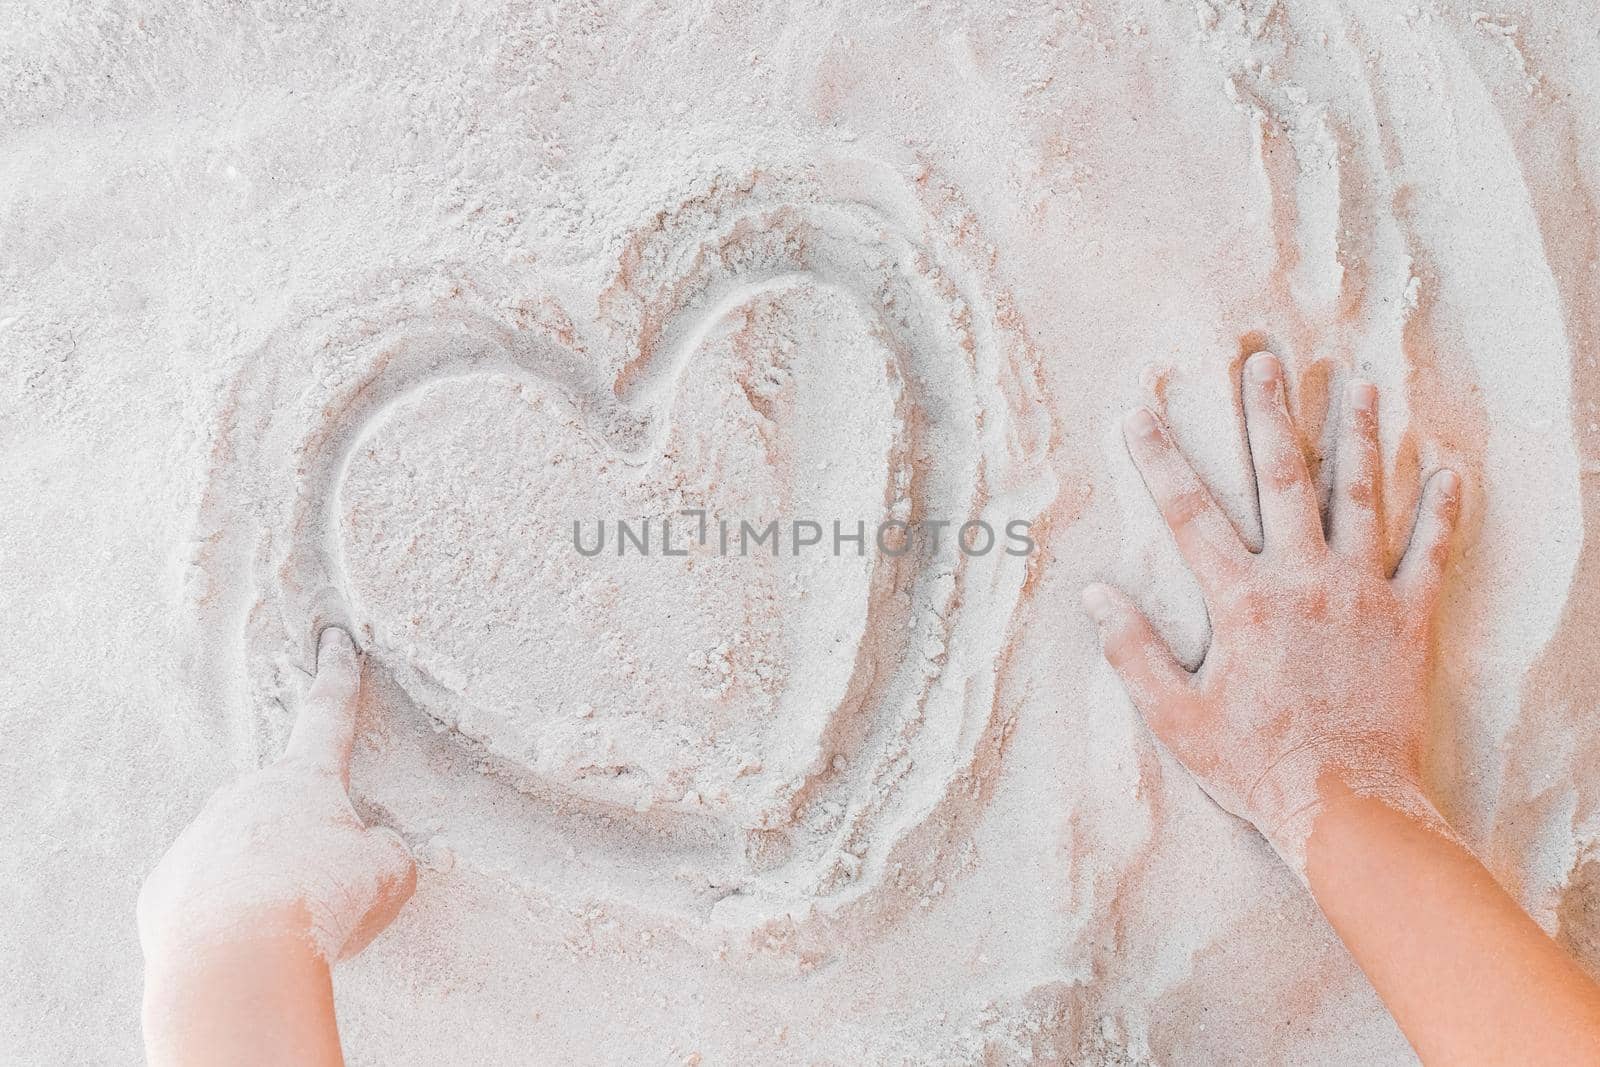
[[1468, 976], [267, 1001]]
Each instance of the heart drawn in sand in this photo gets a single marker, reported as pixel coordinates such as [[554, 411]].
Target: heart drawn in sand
[[817, 344], [700, 681]]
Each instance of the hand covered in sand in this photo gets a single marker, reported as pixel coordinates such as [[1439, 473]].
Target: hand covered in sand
[[1315, 682], [282, 852]]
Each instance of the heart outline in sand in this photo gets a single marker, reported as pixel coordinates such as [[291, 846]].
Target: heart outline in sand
[[918, 730]]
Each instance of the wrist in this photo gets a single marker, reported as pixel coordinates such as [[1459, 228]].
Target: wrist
[[184, 966], [204, 928], [1347, 800], [1327, 788], [266, 998]]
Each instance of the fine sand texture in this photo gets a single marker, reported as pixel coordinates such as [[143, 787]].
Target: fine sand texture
[[321, 313]]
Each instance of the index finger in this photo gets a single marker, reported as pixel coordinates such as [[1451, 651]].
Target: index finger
[[1206, 536], [325, 729]]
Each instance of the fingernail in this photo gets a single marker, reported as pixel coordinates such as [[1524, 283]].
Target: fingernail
[[1263, 367], [1141, 423], [1449, 482], [1363, 396], [334, 639], [1097, 602]]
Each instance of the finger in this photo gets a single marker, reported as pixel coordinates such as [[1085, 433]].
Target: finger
[[396, 881], [325, 607], [1289, 515], [1422, 567], [1357, 489], [1205, 536], [1153, 678], [325, 729]]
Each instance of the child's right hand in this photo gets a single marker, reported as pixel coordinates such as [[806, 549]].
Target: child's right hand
[[1315, 682], [281, 852], [274, 880]]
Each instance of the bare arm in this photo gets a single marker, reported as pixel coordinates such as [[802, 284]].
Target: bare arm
[[274, 880], [1306, 719], [1469, 977], [266, 1000]]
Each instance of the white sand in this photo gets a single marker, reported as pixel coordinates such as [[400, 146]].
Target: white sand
[[343, 314]]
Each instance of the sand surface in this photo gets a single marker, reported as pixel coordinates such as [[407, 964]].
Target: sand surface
[[316, 312]]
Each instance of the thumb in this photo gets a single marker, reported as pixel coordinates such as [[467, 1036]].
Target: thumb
[[1150, 673]]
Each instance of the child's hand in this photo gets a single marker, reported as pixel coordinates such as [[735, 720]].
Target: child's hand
[[1315, 681], [281, 852]]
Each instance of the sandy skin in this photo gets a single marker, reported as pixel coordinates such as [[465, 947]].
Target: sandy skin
[[1306, 719], [274, 880]]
